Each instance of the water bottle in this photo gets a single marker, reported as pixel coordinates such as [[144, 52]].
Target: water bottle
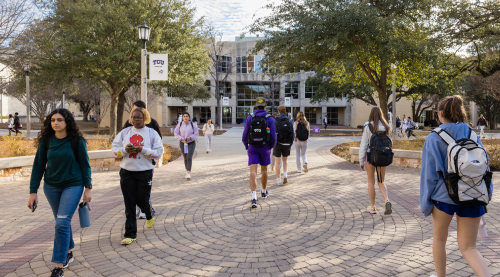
[[83, 213], [186, 150]]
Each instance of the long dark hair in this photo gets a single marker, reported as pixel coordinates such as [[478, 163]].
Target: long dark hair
[[71, 127], [376, 116]]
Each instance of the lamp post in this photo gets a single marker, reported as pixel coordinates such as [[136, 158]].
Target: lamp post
[[221, 93], [394, 103], [144, 32], [27, 68]]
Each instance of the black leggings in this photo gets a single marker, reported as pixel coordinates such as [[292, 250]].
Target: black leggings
[[188, 158]]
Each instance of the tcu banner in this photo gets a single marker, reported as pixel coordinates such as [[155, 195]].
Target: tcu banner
[[158, 67]]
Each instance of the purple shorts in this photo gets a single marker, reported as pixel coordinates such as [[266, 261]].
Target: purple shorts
[[260, 155]]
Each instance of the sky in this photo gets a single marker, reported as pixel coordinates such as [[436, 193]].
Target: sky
[[231, 17]]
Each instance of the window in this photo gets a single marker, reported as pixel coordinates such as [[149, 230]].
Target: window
[[310, 91], [248, 92], [226, 114], [207, 85], [292, 89], [332, 114], [249, 64], [224, 64], [225, 88], [310, 113]]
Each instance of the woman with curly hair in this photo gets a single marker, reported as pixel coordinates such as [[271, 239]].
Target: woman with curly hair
[[138, 146], [62, 160]]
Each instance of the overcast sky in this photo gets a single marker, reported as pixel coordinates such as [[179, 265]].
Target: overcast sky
[[231, 17]]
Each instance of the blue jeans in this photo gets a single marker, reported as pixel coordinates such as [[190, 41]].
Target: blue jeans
[[63, 202]]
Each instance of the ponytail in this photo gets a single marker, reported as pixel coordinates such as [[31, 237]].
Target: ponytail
[[453, 108]]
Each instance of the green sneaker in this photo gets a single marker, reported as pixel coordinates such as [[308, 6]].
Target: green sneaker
[[127, 241], [151, 222]]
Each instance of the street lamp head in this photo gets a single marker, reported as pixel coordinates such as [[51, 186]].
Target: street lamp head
[[27, 67], [144, 32]]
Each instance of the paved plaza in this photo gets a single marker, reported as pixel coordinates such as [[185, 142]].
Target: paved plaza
[[316, 225]]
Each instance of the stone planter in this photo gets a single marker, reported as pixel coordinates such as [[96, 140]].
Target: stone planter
[[404, 158], [14, 168]]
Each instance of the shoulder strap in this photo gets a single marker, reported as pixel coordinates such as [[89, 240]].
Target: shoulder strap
[[370, 126], [445, 136], [252, 115], [267, 116], [472, 135]]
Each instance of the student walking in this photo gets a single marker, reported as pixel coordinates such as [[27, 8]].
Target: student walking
[[61, 159], [325, 121], [481, 123], [404, 125], [374, 127], [186, 133], [10, 124], [434, 197], [259, 137], [138, 146], [410, 126], [17, 123], [302, 131], [155, 126], [208, 131], [285, 137], [398, 126]]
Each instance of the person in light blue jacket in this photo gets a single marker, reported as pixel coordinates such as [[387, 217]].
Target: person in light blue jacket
[[434, 197]]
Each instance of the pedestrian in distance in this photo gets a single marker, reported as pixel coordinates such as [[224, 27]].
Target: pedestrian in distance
[[138, 146], [435, 199], [62, 160], [285, 137], [154, 125], [325, 121], [208, 131], [410, 126], [186, 132], [376, 127], [259, 137], [481, 123], [10, 124], [398, 126], [302, 130], [17, 123], [404, 125]]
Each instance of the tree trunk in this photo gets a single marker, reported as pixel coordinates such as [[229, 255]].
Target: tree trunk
[[112, 115], [120, 108]]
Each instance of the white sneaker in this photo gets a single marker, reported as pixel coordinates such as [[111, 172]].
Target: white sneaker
[[142, 215], [188, 176], [279, 182]]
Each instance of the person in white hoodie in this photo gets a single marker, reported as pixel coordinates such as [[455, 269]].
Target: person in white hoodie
[[138, 146], [208, 131], [376, 123]]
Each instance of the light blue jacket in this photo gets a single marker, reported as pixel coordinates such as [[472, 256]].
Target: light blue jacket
[[435, 164]]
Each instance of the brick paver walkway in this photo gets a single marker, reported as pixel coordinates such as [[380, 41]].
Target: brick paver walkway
[[316, 225]]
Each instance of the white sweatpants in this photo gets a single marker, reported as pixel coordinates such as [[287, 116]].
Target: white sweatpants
[[208, 140], [481, 134], [300, 152]]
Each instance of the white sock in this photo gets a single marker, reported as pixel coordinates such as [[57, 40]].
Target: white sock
[[285, 174], [263, 190], [254, 194]]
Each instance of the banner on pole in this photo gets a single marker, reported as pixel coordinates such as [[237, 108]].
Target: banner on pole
[[158, 67], [288, 101], [225, 101]]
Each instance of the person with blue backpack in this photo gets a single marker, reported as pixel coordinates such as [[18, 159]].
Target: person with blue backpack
[[455, 178], [284, 141], [259, 137], [375, 154]]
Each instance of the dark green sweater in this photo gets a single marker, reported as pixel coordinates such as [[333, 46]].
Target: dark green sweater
[[59, 166]]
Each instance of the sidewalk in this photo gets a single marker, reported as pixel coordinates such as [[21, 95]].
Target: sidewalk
[[314, 226]]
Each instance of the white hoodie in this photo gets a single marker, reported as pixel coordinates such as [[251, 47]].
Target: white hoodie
[[152, 148], [365, 140]]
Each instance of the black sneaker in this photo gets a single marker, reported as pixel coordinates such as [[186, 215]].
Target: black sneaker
[[264, 194], [69, 259], [254, 203], [388, 208], [57, 272]]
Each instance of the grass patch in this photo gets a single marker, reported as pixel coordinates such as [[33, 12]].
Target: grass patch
[[492, 147]]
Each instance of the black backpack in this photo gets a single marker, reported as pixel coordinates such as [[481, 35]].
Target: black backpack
[[301, 132], [284, 130], [379, 149], [258, 134]]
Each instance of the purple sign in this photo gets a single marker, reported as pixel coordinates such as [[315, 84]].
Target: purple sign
[[316, 129]]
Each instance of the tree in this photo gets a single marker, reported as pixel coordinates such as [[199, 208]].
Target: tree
[[485, 91], [354, 41], [220, 67], [101, 44], [87, 95]]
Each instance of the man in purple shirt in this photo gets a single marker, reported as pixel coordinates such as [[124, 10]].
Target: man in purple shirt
[[259, 137]]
